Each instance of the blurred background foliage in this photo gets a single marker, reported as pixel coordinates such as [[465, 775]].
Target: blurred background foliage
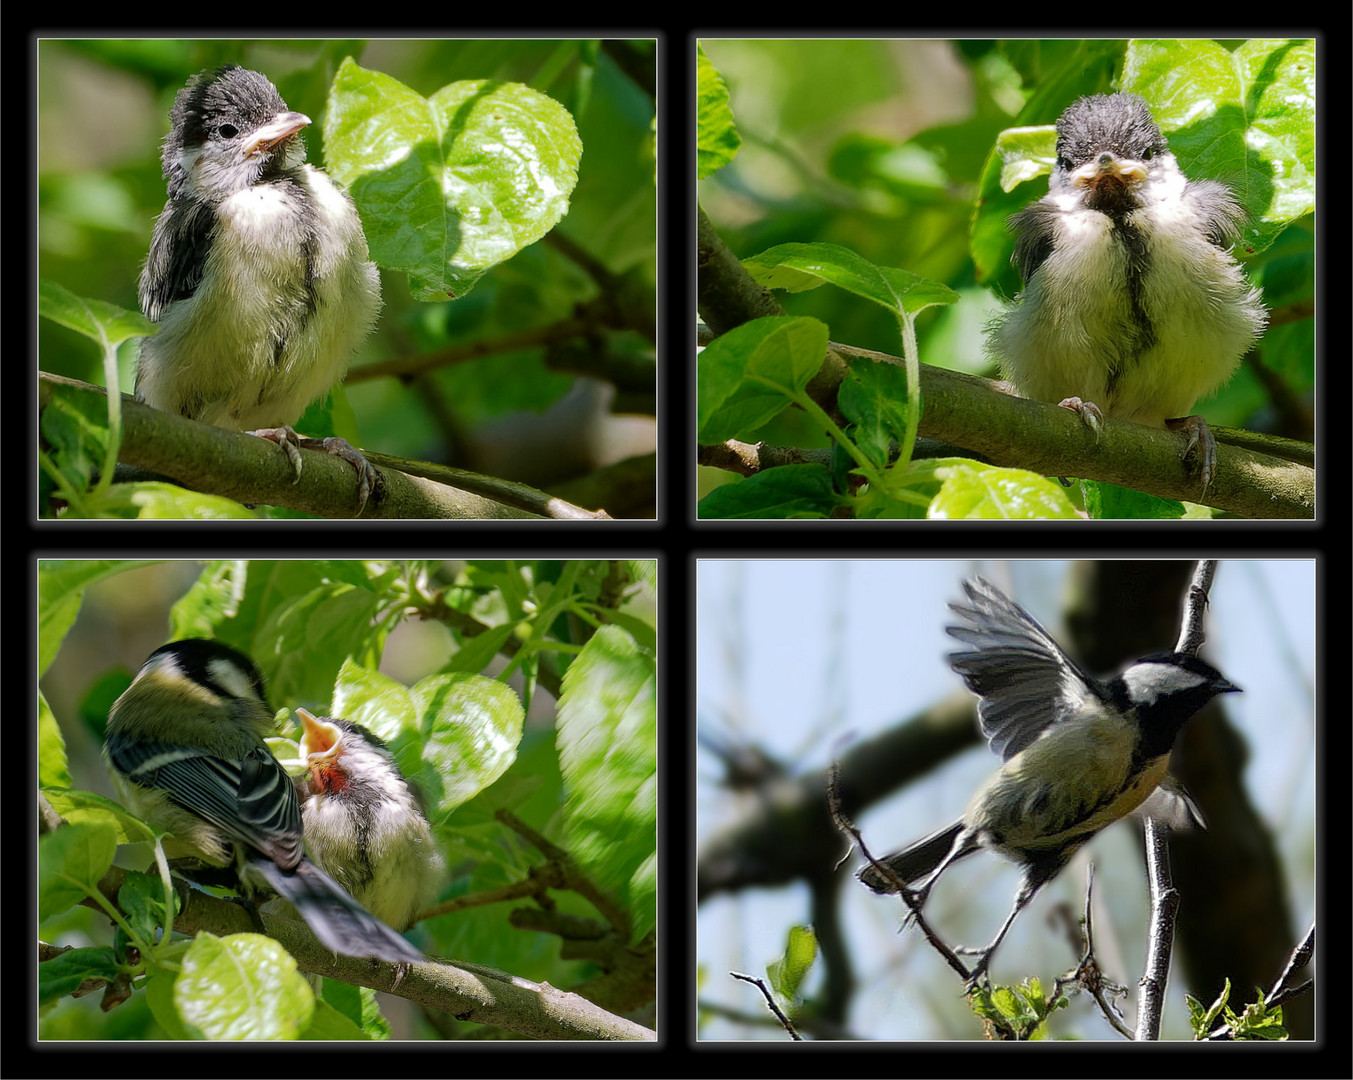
[[527, 414], [879, 146]]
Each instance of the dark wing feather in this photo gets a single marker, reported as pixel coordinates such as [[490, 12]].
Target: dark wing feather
[[1024, 680], [252, 800]]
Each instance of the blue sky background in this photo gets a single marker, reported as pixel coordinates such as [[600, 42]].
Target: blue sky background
[[803, 656]]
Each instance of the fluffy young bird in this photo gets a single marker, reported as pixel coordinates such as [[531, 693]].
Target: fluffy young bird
[[1078, 753], [364, 823], [258, 273], [1133, 305], [185, 750]]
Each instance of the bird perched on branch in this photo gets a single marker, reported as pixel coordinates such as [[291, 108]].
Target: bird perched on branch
[[364, 822], [184, 747], [1133, 305], [258, 275]]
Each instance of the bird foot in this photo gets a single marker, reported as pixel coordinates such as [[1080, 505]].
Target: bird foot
[[979, 972], [1201, 440], [1087, 411], [292, 444], [917, 898]]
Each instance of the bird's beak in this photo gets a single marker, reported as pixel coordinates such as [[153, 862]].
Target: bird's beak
[[1107, 167], [281, 127], [320, 741]]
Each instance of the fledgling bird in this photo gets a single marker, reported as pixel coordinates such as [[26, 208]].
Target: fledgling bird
[[257, 276], [1078, 753], [184, 747], [364, 822], [1133, 305]]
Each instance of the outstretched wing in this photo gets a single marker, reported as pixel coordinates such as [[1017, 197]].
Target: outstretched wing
[[1025, 681]]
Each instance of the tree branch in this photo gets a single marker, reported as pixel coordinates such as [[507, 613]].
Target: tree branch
[[254, 471], [966, 411], [469, 992]]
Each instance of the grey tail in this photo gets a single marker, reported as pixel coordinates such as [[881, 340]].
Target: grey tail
[[340, 923]]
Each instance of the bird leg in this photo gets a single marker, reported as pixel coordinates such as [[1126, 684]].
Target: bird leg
[[1027, 889], [292, 444]]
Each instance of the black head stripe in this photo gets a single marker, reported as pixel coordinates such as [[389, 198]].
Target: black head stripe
[[226, 671]]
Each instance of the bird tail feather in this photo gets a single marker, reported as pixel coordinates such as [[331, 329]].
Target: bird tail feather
[[340, 923], [914, 862]]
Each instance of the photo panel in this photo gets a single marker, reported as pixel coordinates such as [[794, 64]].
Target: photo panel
[[433, 778], [856, 684]]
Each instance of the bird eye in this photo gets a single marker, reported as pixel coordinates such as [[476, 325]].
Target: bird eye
[[228, 131], [1150, 153]]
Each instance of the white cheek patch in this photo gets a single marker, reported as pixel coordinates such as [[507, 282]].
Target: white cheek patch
[[231, 679], [1147, 683]]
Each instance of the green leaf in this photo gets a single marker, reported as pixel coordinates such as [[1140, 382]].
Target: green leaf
[[107, 325], [873, 395], [244, 987], [53, 766], [1025, 153], [452, 734], [90, 808], [1245, 117], [787, 974], [74, 425], [449, 186], [152, 500], [607, 738], [798, 267], [1106, 501], [299, 619], [716, 136], [348, 1012], [471, 727], [142, 900], [981, 491], [214, 597], [788, 491], [63, 974], [71, 861], [751, 373], [328, 1024], [879, 502]]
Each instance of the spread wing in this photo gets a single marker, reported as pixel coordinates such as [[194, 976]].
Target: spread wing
[[1023, 679]]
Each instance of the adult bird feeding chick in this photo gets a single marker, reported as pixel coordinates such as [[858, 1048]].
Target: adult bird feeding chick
[[258, 275], [1133, 305], [185, 750]]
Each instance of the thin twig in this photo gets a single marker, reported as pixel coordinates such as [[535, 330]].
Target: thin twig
[[760, 984], [848, 827]]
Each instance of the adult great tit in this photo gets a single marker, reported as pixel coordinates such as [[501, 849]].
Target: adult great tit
[[1078, 753], [1133, 305], [364, 823], [185, 750], [257, 274]]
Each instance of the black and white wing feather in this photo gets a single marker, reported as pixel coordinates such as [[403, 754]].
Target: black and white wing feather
[[251, 799], [1024, 681]]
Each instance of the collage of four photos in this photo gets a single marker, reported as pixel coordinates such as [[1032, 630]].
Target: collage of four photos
[[308, 773]]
